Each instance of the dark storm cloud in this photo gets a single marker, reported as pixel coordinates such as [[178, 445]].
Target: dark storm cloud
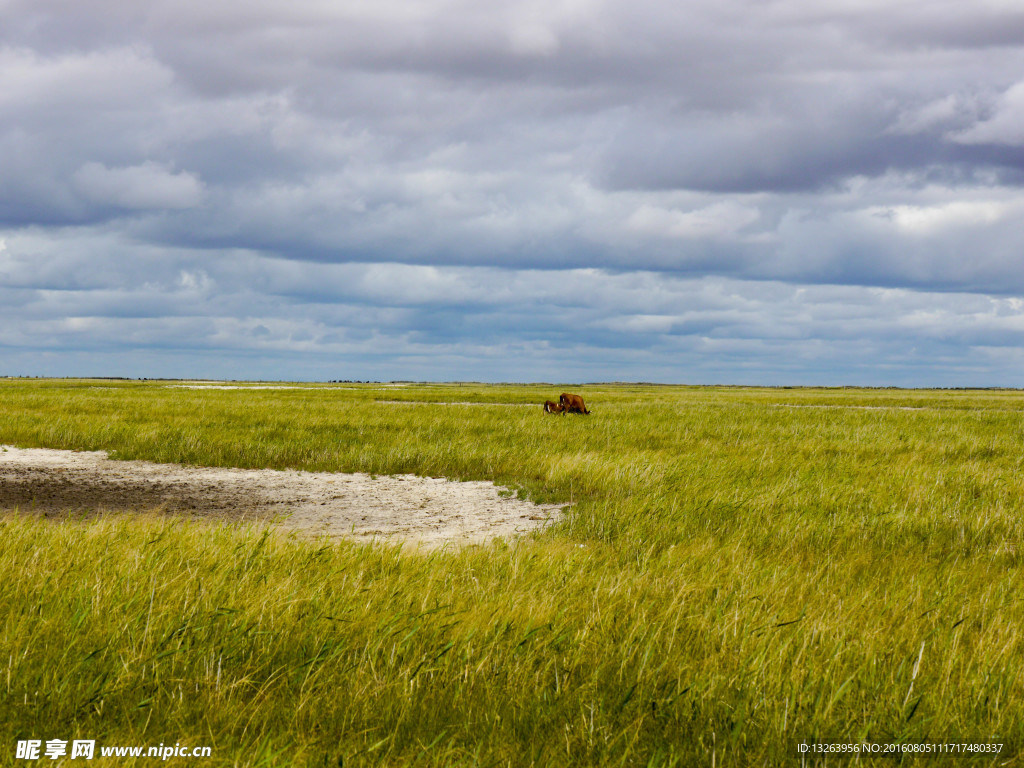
[[441, 181]]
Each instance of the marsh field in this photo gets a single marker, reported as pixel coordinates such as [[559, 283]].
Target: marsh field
[[739, 570]]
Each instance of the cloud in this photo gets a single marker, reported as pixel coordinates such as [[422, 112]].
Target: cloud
[[361, 321], [1004, 126], [319, 177], [936, 115], [925, 221], [723, 219], [137, 187]]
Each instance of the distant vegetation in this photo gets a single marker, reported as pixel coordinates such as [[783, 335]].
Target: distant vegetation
[[741, 569]]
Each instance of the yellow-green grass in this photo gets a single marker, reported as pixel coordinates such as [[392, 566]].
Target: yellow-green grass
[[738, 572]]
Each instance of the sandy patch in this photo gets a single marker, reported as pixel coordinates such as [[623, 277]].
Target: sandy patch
[[427, 512]]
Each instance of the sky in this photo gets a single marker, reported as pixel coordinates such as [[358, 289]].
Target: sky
[[778, 192]]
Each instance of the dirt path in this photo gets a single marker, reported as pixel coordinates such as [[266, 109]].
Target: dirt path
[[429, 512]]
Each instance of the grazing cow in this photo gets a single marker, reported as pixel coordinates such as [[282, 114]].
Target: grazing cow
[[550, 407], [572, 403]]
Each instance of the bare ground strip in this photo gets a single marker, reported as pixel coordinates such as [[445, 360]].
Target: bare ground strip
[[429, 512]]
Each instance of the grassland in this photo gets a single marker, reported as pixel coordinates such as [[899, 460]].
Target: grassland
[[741, 569]]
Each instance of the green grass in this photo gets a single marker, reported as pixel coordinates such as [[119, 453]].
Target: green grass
[[735, 574]]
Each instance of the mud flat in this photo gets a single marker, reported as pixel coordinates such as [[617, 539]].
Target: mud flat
[[422, 511]]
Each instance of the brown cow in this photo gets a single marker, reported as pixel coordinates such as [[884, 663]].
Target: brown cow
[[572, 403], [550, 407]]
